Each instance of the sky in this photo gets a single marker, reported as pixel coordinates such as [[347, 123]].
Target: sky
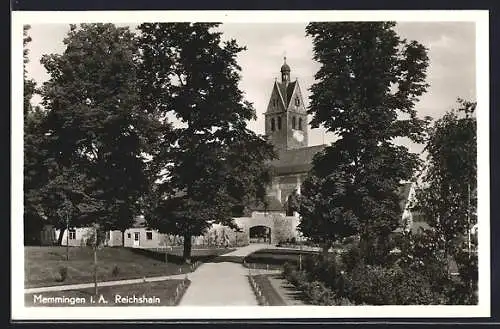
[[451, 73]]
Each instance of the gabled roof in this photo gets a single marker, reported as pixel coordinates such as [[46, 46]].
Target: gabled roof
[[295, 160], [273, 204], [404, 194], [286, 90], [139, 221]]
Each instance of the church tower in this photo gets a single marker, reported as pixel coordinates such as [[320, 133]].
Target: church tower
[[286, 116]]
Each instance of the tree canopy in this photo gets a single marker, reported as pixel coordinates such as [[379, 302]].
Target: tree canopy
[[95, 132], [447, 197], [34, 174], [367, 86], [213, 163]]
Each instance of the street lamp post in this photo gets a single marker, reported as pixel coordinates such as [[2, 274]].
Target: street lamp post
[[469, 244], [300, 252], [95, 259], [67, 235]]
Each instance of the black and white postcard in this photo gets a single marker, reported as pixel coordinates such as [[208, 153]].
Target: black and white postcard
[[250, 165]]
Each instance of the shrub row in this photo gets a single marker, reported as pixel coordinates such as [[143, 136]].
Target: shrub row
[[378, 285], [324, 282], [62, 273], [314, 292]]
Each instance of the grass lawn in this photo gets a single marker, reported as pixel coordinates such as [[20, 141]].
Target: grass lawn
[[174, 255], [160, 293], [276, 257], [42, 265], [199, 253]]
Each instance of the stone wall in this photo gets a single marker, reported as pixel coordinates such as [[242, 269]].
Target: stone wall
[[282, 227]]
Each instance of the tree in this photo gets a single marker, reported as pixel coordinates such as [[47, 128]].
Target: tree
[[214, 164], [447, 197], [34, 172], [321, 222], [29, 84], [97, 131], [366, 90]]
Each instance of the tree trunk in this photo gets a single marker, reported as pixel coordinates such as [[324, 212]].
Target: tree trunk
[[187, 249], [60, 237], [95, 260], [95, 270], [326, 246]]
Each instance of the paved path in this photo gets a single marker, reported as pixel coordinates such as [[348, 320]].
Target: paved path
[[103, 284], [218, 284]]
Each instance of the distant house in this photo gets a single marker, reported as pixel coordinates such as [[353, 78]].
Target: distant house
[[411, 220], [139, 236]]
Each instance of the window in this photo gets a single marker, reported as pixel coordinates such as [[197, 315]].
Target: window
[[273, 128], [72, 234], [289, 205], [300, 123], [294, 123], [297, 101], [149, 235], [275, 102], [129, 235], [279, 123]]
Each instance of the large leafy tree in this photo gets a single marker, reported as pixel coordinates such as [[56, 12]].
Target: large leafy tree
[[212, 163], [366, 90], [34, 173], [447, 197], [97, 133]]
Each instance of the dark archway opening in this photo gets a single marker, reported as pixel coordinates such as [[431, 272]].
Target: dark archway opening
[[260, 234]]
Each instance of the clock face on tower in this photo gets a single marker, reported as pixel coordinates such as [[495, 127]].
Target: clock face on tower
[[298, 135]]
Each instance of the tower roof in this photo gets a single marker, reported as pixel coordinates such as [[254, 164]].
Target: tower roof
[[285, 67], [286, 90]]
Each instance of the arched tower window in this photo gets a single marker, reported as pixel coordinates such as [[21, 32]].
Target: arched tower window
[[273, 128], [279, 123], [294, 123], [300, 123], [297, 101]]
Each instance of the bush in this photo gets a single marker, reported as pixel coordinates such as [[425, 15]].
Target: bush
[[467, 269], [293, 275], [351, 258], [288, 268], [315, 291], [62, 274], [325, 269], [325, 281], [459, 293], [377, 285], [318, 293]]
